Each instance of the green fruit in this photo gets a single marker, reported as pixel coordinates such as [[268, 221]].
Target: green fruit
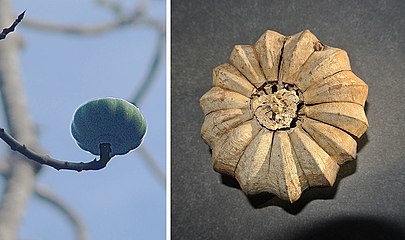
[[108, 120]]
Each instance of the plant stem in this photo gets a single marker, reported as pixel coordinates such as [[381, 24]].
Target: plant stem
[[20, 185]]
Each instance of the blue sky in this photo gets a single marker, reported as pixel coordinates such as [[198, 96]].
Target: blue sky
[[60, 72]]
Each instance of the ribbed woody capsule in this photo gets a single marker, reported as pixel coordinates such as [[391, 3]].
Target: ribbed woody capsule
[[284, 115]]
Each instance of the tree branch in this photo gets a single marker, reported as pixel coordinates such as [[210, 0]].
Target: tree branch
[[151, 74], [138, 96], [58, 164], [49, 197], [20, 184], [156, 170], [22, 176], [137, 16], [10, 29]]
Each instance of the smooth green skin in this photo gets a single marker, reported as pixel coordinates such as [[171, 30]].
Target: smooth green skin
[[108, 120]]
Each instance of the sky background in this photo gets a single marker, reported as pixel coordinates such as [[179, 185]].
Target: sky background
[[60, 72]]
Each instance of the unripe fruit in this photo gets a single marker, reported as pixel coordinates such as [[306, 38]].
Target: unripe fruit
[[108, 120]]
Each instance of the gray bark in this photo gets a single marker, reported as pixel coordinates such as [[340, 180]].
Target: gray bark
[[20, 184]]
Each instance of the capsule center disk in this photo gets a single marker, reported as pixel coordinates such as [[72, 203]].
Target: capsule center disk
[[275, 109]]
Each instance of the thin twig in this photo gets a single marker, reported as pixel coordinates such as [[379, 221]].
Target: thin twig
[[156, 170], [138, 96], [136, 17], [151, 74], [115, 7], [58, 164], [75, 29], [10, 29], [46, 194]]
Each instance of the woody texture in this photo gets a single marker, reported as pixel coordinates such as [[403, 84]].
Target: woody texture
[[284, 115]]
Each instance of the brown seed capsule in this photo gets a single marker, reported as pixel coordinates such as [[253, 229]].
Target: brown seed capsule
[[282, 117]]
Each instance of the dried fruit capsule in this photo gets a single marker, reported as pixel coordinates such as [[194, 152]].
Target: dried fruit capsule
[[281, 118]]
